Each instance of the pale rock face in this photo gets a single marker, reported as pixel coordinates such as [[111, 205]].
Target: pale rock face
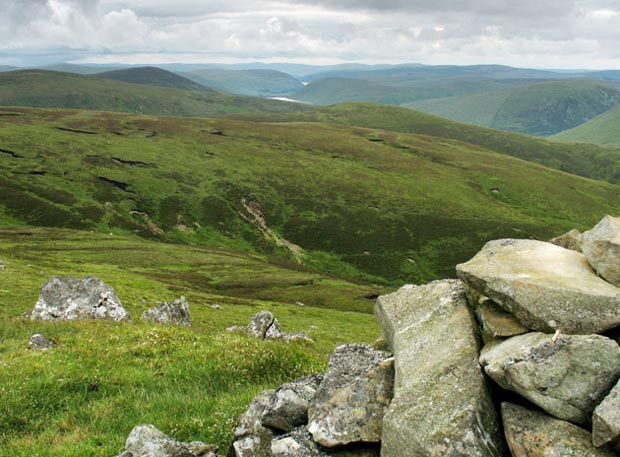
[[606, 419], [535, 434], [350, 403], [601, 246], [566, 378], [544, 286], [67, 298], [259, 325], [176, 313], [147, 441], [441, 405]]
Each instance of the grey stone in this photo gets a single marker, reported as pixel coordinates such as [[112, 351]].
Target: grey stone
[[352, 399], [606, 419], [570, 240], [497, 322], [259, 324], [67, 298], [299, 443], [601, 246], [38, 341], [251, 437], [288, 406], [274, 332], [566, 378], [535, 434], [147, 441], [441, 404], [176, 313], [544, 286]]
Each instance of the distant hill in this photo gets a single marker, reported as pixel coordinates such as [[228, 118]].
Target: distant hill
[[50, 89], [7, 68], [328, 91], [75, 68], [260, 83], [603, 129], [152, 76], [356, 202]]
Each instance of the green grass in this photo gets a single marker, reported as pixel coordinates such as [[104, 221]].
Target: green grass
[[362, 203], [152, 76], [52, 89], [191, 383], [604, 129]]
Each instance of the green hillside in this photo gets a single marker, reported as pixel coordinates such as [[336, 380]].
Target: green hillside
[[75, 68], [263, 83], [356, 202], [587, 160], [152, 76], [551, 107], [603, 129], [51, 89]]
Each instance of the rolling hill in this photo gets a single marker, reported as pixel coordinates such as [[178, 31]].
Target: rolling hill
[[259, 83], [152, 76], [603, 129], [357, 202], [51, 89]]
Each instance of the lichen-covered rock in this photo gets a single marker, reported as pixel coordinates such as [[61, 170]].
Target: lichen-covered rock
[[38, 341], [566, 378], [176, 313], [535, 434], [259, 324], [570, 240], [601, 246], [544, 286], [252, 438], [441, 404], [67, 298], [288, 406], [353, 397], [274, 332], [606, 419], [148, 441], [299, 443], [496, 322]]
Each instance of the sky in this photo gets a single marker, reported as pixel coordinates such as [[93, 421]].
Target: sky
[[578, 34]]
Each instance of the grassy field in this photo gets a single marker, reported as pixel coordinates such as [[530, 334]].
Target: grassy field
[[603, 129], [84, 397], [361, 203], [52, 89]]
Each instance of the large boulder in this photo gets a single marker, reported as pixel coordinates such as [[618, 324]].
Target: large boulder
[[535, 434], [567, 377], [176, 312], [606, 419], [259, 324], [288, 406], [544, 286], [353, 397], [67, 298], [252, 438], [148, 441], [601, 246], [441, 404]]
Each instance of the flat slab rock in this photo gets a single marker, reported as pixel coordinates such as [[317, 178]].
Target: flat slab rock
[[535, 434], [544, 286], [601, 246], [441, 404], [567, 378], [68, 298]]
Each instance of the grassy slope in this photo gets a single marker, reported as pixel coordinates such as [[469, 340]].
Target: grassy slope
[[152, 76], [64, 90], [191, 383], [362, 202], [246, 82], [604, 129]]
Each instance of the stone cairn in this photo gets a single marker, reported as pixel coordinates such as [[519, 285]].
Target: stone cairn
[[517, 357]]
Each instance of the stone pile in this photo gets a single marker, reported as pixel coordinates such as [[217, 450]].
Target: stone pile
[[339, 413], [266, 327]]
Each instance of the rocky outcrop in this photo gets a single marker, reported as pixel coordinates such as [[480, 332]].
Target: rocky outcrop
[[67, 298], [252, 438], [147, 441], [567, 377], [534, 434], [601, 246], [353, 398], [544, 286], [606, 420], [441, 403], [176, 312], [38, 341]]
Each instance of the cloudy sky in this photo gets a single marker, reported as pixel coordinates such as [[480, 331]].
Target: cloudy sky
[[526, 33]]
